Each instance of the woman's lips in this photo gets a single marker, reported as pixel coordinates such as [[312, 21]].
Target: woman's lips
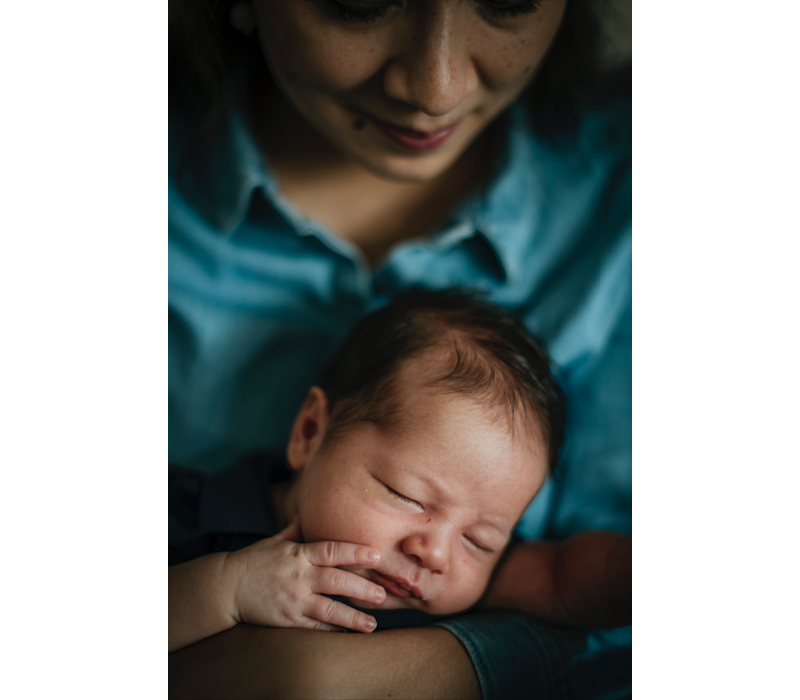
[[416, 141], [399, 587]]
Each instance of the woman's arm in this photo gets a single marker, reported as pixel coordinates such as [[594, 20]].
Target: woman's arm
[[584, 581], [257, 662]]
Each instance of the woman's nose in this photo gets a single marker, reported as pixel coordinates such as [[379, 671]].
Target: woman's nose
[[430, 549], [432, 69]]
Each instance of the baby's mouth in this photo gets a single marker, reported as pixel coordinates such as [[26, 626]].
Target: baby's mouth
[[398, 587]]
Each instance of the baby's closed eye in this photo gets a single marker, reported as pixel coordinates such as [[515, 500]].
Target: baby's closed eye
[[400, 496]]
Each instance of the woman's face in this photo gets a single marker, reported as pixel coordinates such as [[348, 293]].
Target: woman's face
[[404, 87]]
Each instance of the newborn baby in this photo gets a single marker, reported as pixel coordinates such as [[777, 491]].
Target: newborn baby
[[433, 428]]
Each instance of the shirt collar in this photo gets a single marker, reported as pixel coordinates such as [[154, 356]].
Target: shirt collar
[[225, 169], [507, 209], [504, 211]]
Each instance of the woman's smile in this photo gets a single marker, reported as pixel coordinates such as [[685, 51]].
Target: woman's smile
[[415, 140]]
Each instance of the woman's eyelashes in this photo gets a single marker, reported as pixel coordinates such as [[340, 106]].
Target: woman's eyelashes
[[360, 11], [500, 9], [355, 11]]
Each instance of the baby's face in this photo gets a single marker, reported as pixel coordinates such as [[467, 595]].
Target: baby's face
[[438, 495]]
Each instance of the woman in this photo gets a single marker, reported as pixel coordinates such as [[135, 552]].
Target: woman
[[325, 155]]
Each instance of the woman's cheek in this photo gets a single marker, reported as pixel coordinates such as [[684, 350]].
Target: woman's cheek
[[507, 61], [308, 59], [509, 72]]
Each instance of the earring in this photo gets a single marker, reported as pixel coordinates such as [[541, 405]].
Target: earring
[[243, 18]]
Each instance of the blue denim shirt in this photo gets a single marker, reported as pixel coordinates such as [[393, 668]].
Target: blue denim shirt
[[260, 294]]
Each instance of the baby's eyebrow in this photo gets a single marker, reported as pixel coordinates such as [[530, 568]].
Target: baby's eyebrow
[[439, 492]]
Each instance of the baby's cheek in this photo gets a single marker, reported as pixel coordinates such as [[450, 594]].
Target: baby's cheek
[[459, 592]]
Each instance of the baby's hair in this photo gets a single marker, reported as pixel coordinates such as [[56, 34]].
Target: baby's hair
[[497, 362]]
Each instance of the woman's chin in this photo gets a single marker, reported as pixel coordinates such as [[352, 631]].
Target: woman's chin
[[403, 169]]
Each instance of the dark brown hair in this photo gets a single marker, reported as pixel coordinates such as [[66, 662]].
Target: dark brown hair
[[498, 362]]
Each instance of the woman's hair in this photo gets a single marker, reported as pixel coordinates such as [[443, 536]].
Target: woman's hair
[[204, 50], [494, 360]]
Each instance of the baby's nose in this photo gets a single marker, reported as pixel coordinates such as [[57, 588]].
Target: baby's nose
[[430, 550]]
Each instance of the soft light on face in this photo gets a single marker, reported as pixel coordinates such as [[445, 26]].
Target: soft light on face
[[438, 495], [404, 87]]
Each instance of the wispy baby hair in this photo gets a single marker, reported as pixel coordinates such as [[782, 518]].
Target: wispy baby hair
[[497, 362]]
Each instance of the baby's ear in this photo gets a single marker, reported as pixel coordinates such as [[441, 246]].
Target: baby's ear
[[309, 427]]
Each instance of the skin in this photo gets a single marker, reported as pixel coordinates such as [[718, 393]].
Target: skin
[[259, 662], [437, 495], [426, 65]]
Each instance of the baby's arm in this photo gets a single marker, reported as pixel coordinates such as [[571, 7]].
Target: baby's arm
[[584, 581], [276, 582]]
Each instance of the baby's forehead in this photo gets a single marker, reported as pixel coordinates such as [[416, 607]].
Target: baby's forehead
[[451, 369]]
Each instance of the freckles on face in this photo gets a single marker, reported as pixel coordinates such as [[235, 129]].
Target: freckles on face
[[426, 67], [304, 54], [508, 65], [304, 39]]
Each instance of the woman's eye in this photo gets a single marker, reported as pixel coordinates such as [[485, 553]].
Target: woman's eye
[[360, 11], [354, 11], [502, 9]]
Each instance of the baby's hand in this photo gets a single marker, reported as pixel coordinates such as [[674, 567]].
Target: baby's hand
[[279, 583]]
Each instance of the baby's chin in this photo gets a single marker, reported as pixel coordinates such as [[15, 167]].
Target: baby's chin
[[392, 602]]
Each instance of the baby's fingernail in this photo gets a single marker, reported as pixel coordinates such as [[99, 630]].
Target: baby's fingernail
[[370, 625], [373, 556]]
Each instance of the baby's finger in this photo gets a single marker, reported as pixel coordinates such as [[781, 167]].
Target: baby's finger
[[333, 612], [341, 554], [345, 583]]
